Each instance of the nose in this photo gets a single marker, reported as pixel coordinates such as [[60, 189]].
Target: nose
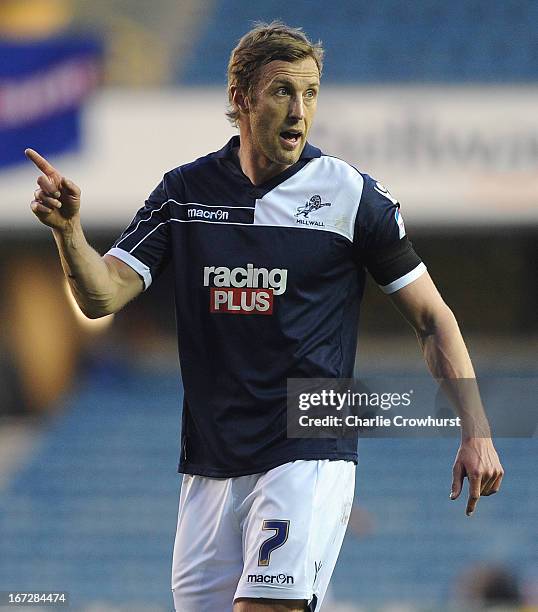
[[296, 109]]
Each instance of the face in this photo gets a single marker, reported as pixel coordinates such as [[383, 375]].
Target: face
[[282, 112]]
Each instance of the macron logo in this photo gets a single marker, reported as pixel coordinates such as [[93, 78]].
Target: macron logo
[[210, 215], [270, 578]]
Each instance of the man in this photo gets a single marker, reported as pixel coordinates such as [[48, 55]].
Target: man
[[269, 239]]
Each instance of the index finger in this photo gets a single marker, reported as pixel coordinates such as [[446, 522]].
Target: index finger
[[474, 494], [45, 166]]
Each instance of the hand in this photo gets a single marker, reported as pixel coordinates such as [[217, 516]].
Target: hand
[[57, 201], [478, 460]]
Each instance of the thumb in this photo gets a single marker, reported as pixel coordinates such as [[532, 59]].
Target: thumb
[[457, 480], [69, 187]]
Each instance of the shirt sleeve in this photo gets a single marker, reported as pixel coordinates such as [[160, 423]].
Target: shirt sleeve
[[145, 243], [380, 240]]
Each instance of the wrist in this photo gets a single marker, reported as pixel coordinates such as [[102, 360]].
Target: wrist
[[69, 231], [475, 440]]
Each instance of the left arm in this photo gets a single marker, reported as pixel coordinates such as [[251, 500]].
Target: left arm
[[448, 360]]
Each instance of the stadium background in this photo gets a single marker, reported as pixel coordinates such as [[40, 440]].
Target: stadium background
[[438, 100]]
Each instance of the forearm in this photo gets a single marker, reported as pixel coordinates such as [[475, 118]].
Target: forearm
[[448, 360], [444, 349], [88, 275]]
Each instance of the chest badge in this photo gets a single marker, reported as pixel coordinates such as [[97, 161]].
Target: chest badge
[[315, 203], [302, 212]]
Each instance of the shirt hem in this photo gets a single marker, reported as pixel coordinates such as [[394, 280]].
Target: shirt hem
[[199, 470], [271, 593]]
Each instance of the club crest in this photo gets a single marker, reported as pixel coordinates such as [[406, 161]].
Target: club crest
[[315, 203]]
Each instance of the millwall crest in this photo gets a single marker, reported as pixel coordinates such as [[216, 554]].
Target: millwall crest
[[315, 203]]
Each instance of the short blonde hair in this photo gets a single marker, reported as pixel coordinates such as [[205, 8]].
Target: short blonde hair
[[265, 43]]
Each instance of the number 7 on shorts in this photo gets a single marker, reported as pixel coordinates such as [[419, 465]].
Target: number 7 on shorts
[[281, 529]]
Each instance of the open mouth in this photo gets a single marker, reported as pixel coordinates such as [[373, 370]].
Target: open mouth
[[290, 136]]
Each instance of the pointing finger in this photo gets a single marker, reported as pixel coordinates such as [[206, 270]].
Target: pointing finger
[[474, 494], [45, 166]]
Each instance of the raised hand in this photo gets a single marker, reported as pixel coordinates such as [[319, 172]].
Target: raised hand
[[57, 201]]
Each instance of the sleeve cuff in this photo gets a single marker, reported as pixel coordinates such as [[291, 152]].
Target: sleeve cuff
[[134, 263], [404, 280]]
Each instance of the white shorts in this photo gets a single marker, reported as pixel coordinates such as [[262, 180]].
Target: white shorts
[[275, 535]]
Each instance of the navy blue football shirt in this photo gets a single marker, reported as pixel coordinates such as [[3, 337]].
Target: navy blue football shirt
[[268, 284]]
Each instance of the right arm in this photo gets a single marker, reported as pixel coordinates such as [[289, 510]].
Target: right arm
[[100, 285]]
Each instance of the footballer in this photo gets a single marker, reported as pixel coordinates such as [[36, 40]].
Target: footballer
[[269, 239]]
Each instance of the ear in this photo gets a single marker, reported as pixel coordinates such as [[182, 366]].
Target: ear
[[239, 99]]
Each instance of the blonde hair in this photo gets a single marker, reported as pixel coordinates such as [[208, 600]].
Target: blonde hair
[[265, 43]]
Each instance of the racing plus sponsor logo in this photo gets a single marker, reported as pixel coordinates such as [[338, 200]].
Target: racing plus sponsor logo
[[270, 578], [211, 215], [247, 290], [315, 203]]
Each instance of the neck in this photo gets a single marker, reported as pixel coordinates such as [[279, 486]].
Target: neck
[[254, 164]]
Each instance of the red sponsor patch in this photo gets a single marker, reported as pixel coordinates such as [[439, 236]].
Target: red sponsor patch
[[239, 300]]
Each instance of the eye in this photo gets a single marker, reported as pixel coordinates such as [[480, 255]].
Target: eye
[[311, 93], [282, 91]]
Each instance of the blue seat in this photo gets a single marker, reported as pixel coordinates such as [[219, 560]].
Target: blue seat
[[480, 41]]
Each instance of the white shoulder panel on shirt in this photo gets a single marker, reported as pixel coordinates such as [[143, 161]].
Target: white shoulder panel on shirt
[[324, 195]]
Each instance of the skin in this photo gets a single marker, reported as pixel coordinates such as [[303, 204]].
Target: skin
[[286, 98], [269, 605], [100, 285], [448, 360]]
